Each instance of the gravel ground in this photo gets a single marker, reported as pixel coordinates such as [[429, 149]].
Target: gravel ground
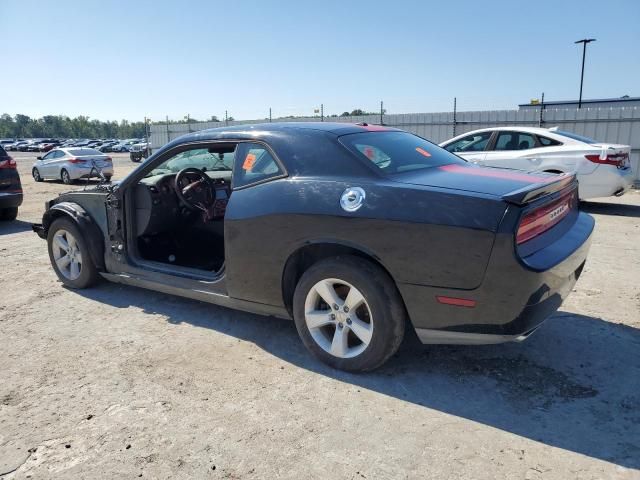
[[119, 382]]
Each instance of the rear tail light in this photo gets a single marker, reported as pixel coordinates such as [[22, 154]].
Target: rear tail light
[[540, 220], [617, 159], [8, 162], [108, 159], [76, 160]]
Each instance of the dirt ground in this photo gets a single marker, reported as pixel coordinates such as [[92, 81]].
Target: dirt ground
[[119, 382]]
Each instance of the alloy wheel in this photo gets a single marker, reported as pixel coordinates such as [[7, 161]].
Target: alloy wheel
[[67, 254], [338, 318]]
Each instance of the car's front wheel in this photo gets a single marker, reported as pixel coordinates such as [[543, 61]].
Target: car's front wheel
[[69, 255], [349, 313], [36, 175]]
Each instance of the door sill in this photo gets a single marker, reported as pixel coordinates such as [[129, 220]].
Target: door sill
[[178, 271]]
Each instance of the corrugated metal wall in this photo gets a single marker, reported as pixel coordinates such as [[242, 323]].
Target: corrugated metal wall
[[606, 124]]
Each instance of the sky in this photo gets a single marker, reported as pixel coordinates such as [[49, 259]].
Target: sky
[[113, 60]]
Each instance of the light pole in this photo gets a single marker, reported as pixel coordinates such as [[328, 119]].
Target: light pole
[[584, 42]]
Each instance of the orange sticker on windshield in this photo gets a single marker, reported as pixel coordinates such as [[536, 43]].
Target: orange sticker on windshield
[[249, 160], [423, 152]]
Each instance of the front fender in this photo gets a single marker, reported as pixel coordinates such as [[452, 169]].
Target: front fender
[[85, 223]]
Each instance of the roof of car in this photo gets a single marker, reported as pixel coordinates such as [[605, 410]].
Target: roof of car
[[517, 128], [250, 130]]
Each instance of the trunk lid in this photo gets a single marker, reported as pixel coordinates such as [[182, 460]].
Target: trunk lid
[[513, 186]]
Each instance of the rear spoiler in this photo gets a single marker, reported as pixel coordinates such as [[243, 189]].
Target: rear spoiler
[[554, 184]]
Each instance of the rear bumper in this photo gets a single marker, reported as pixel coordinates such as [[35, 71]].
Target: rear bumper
[[88, 172], [515, 297], [10, 200], [605, 181]]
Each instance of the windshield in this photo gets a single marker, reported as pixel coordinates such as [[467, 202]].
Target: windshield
[[397, 152], [207, 160], [580, 138]]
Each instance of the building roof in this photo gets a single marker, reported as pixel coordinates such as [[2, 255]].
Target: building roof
[[575, 102]]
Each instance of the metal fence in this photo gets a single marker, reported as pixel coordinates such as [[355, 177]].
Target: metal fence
[[606, 124]]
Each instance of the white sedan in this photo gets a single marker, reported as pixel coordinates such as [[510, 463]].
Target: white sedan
[[603, 169], [69, 164]]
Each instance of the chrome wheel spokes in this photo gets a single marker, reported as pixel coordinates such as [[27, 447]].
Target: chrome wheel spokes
[[338, 318], [67, 254]]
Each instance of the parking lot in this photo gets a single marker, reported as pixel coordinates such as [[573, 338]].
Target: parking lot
[[119, 382]]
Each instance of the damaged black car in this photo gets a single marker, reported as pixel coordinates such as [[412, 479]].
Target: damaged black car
[[351, 230]]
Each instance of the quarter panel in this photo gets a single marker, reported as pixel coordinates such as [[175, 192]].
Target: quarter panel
[[420, 235]]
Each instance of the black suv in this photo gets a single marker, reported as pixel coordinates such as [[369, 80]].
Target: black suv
[[10, 187]]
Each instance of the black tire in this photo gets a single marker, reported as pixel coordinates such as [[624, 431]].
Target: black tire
[[9, 214], [88, 272], [381, 295], [36, 175], [65, 177]]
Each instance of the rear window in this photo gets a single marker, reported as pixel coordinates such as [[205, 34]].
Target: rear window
[[81, 152], [548, 142], [575, 136], [398, 152]]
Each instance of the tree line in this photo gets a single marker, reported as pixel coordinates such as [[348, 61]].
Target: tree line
[[60, 126]]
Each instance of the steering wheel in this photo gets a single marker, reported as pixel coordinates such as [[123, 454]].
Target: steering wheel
[[195, 189]]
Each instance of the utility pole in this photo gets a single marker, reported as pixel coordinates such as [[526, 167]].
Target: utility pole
[[322, 112], [454, 116], [584, 42], [188, 119], [269, 114], [381, 112], [168, 135], [146, 134], [226, 121], [541, 120]]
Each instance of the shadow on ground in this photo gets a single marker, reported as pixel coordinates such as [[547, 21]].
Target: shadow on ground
[[618, 209], [14, 226], [573, 385]]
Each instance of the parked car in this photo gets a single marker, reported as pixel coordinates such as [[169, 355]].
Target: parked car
[[12, 147], [603, 169], [34, 146], [106, 147], [48, 145], [24, 147], [138, 151], [10, 187], [350, 230], [70, 164], [125, 145]]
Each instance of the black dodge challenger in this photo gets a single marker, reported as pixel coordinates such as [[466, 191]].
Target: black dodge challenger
[[351, 230]]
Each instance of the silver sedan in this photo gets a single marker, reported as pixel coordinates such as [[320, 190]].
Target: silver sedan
[[69, 164]]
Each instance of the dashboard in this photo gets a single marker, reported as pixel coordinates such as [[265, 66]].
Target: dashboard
[[158, 209]]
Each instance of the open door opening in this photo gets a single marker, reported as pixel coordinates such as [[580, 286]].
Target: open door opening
[[178, 209]]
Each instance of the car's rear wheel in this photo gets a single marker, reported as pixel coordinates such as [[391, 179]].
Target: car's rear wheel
[[9, 214], [69, 255], [66, 178], [349, 313], [36, 175]]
